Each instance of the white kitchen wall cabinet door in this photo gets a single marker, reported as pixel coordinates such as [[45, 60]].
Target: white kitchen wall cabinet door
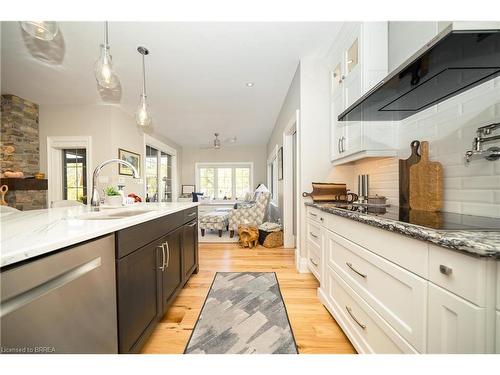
[[455, 325], [336, 128], [358, 61]]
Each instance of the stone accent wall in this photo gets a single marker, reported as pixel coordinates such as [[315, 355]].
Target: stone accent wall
[[25, 200], [19, 128]]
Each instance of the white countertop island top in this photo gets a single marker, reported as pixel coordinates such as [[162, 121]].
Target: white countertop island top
[[27, 234]]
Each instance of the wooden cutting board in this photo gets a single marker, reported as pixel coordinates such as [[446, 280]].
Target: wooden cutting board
[[426, 183], [404, 174]]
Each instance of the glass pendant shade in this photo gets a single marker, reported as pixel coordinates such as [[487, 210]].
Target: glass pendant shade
[[103, 69], [43, 30], [142, 116]]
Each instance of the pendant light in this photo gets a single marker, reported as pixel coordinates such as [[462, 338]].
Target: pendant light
[[43, 30], [142, 116], [103, 68]]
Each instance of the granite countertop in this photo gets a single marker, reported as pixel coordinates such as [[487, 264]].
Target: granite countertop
[[26, 234], [474, 242]]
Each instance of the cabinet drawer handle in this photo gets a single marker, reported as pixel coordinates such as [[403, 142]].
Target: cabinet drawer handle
[[192, 214], [313, 235], [313, 262], [445, 270], [192, 224], [355, 270], [363, 326], [168, 254], [338, 146], [162, 267], [313, 214]]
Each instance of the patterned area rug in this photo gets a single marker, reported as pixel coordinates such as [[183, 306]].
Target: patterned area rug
[[244, 313]]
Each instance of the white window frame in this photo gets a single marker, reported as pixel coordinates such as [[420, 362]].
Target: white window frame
[[272, 173], [55, 145], [233, 165], [155, 143]]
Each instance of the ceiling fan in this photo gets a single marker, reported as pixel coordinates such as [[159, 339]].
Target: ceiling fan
[[216, 143]]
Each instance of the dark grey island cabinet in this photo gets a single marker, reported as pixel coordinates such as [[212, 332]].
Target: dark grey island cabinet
[[153, 262]]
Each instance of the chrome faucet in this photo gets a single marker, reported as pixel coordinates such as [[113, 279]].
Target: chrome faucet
[[477, 152], [95, 200]]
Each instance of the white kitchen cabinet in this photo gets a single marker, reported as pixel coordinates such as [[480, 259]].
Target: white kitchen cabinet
[[455, 325], [498, 286], [406, 38], [497, 340], [368, 332], [458, 273], [314, 247], [399, 296], [358, 61], [395, 286]]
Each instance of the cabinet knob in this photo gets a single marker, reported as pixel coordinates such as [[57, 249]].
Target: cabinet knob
[[445, 270]]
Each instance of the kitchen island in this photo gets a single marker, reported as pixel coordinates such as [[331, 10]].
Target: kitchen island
[[79, 281]]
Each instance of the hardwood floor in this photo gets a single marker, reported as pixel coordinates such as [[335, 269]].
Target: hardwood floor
[[314, 329]]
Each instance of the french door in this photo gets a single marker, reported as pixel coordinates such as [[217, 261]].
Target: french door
[[158, 175]]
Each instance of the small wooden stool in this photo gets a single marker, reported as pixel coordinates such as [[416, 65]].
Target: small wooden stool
[[249, 236]]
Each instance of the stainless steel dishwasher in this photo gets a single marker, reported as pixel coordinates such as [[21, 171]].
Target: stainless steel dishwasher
[[61, 303]]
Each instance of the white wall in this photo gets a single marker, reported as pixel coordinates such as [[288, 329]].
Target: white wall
[[226, 154], [288, 111], [449, 127], [110, 129], [314, 133]]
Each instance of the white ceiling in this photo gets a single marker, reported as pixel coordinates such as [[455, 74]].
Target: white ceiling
[[196, 72]]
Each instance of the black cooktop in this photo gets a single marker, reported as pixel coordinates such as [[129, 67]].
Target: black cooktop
[[435, 220]]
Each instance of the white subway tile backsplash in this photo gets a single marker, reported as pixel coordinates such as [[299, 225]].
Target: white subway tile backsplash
[[452, 183], [496, 196], [483, 182], [481, 209], [449, 127], [451, 206], [469, 195]]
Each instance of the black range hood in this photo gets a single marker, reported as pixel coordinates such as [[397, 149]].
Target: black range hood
[[454, 61]]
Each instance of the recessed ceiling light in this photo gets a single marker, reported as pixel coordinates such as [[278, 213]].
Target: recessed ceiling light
[[249, 84]]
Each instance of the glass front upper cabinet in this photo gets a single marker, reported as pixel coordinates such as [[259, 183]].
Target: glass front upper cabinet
[[352, 56]]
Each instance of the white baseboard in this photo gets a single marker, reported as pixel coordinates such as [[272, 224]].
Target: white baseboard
[[303, 267]]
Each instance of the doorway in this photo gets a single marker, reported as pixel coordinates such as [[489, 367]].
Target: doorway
[[69, 168], [291, 152]]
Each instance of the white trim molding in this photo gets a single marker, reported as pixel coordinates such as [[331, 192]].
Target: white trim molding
[[272, 164], [288, 179], [54, 162], [155, 143]]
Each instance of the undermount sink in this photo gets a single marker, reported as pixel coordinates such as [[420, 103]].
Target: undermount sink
[[111, 216]]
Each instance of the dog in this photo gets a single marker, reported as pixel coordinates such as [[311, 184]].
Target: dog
[[249, 236]]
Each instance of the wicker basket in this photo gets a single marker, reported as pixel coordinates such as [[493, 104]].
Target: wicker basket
[[271, 239]]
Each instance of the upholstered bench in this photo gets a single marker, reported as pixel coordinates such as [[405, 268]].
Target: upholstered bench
[[218, 220]]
